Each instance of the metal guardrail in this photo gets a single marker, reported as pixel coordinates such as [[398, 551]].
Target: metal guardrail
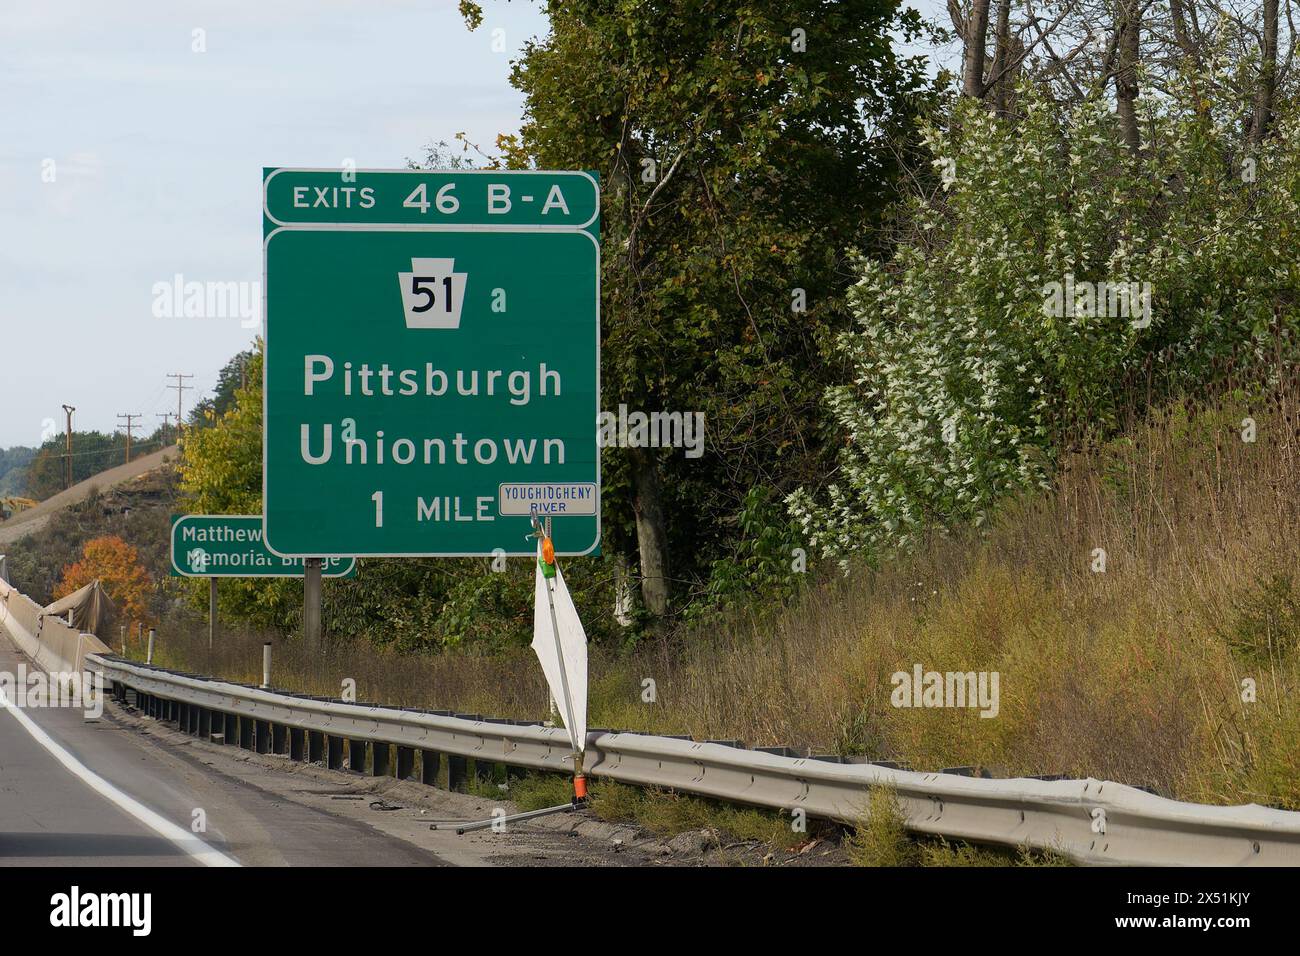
[[1090, 821]]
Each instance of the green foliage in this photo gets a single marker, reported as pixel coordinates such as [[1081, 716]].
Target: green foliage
[[221, 469], [13, 469], [431, 604], [763, 559], [881, 839], [1266, 622], [966, 385], [667, 813], [232, 377], [735, 170], [221, 474]]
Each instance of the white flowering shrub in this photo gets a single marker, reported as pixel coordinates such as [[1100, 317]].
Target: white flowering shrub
[[967, 380]]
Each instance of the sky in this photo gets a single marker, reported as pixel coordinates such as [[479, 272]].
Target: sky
[[156, 151], [134, 137]]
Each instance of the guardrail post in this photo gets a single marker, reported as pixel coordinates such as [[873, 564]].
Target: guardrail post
[[262, 736], [381, 760], [429, 765], [357, 756], [246, 732], [405, 763], [334, 746], [456, 772], [315, 747], [149, 658], [297, 744], [484, 770], [205, 723], [279, 739], [230, 729]]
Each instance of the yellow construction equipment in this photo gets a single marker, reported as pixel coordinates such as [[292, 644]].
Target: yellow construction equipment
[[12, 505]]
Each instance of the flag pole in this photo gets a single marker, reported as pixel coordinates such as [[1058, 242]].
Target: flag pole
[[579, 781]]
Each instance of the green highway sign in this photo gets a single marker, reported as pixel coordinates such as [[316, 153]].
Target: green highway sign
[[231, 546], [432, 361]]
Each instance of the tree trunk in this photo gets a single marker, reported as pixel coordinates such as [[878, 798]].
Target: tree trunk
[[1126, 84], [1267, 76], [1001, 57], [651, 530], [977, 26], [1181, 37]]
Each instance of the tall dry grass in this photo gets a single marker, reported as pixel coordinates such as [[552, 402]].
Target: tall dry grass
[[1133, 674]]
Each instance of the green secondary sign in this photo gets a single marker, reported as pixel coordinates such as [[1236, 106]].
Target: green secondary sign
[[232, 546], [432, 361]]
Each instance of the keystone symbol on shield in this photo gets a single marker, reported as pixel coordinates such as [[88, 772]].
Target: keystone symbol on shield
[[432, 294]]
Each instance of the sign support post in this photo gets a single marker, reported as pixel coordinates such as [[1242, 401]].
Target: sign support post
[[212, 612], [311, 605]]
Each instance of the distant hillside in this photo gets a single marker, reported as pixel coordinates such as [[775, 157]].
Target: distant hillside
[[137, 509], [27, 522], [93, 453], [13, 469]]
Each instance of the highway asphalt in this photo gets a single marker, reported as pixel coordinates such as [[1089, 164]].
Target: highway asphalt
[[107, 796]]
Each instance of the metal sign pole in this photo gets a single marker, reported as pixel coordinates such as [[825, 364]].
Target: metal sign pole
[[569, 722], [311, 604], [212, 612]]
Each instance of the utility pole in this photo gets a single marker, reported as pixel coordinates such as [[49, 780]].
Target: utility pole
[[130, 423], [167, 417], [67, 462], [181, 388]]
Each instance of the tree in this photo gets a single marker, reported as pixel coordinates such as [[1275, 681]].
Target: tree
[[14, 463], [742, 148], [92, 452], [233, 376], [221, 464], [221, 474], [1053, 287], [117, 567]]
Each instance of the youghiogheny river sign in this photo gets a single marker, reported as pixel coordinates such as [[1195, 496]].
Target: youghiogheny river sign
[[232, 546], [432, 361]]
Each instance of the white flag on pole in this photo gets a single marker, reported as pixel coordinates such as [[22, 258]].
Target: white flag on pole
[[561, 645]]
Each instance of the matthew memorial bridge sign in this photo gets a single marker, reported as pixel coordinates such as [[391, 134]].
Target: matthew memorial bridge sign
[[432, 361]]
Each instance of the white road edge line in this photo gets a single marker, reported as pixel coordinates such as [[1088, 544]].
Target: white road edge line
[[188, 842]]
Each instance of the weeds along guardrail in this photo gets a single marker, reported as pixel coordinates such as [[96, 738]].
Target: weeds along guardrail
[[1089, 821]]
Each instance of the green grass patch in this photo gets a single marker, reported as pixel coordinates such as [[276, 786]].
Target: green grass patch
[[881, 839]]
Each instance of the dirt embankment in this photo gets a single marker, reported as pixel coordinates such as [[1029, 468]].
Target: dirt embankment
[[27, 522]]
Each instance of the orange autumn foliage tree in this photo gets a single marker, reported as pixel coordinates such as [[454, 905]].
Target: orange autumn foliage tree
[[117, 566]]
